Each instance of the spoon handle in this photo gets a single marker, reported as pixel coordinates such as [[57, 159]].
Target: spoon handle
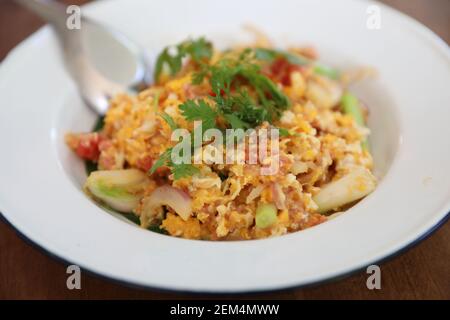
[[55, 14], [94, 88], [49, 10]]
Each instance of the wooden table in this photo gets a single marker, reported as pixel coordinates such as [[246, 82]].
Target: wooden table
[[421, 273]]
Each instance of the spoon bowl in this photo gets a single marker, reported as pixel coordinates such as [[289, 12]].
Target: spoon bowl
[[101, 61]]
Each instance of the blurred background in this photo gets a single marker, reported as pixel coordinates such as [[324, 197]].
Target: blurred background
[[16, 24], [420, 273]]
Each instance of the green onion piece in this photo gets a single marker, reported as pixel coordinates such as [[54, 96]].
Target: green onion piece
[[119, 189], [266, 215], [350, 106], [326, 71]]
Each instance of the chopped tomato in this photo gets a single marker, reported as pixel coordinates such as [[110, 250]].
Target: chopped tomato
[[104, 144], [85, 145], [281, 70], [144, 163], [278, 66]]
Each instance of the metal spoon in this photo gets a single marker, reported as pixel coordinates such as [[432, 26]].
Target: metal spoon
[[95, 83]]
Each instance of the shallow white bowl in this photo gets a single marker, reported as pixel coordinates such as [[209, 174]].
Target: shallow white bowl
[[40, 180]]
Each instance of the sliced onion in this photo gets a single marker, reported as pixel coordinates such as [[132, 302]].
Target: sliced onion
[[278, 196], [353, 186], [255, 193], [299, 167], [119, 189], [177, 199]]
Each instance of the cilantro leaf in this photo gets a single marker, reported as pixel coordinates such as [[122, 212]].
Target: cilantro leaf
[[163, 160], [179, 171], [248, 111], [233, 71], [199, 76], [191, 110], [166, 59], [222, 75], [235, 122], [264, 85], [199, 110], [198, 50], [183, 170], [284, 132], [265, 54]]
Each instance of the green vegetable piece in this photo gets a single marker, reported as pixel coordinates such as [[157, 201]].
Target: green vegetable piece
[[326, 71], [163, 160], [183, 170], [199, 110], [272, 54], [197, 50], [119, 189], [266, 215], [179, 170], [350, 106], [235, 122], [169, 120], [284, 132], [268, 104]]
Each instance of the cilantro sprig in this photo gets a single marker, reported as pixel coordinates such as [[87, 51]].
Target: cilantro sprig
[[163, 160], [198, 50], [239, 108], [231, 80], [183, 170], [199, 110], [192, 111], [179, 171]]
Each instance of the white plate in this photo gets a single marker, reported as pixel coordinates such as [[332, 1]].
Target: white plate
[[40, 179]]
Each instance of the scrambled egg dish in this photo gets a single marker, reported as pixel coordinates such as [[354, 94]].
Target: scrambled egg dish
[[324, 164]]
